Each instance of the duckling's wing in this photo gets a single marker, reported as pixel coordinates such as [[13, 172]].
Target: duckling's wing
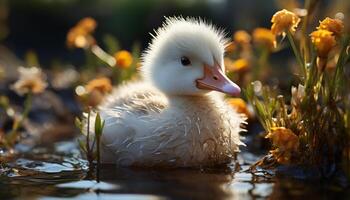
[[127, 112]]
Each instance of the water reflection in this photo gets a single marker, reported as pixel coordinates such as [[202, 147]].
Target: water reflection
[[177, 184], [44, 175], [42, 166], [89, 196], [91, 185]]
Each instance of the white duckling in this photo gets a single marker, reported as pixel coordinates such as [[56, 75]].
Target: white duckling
[[171, 118]]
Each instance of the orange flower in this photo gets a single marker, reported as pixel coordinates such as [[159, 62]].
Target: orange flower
[[242, 37], [335, 26], [324, 41], [94, 91], [31, 80], [80, 35], [123, 59], [240, 105], [283, 21], [264, 37], [103, 85], [239, 65], [284, 139], [88, 24]]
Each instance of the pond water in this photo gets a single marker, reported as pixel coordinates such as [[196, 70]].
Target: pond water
[[41, 174]]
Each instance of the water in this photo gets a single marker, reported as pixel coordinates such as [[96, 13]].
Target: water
[[42, 174]]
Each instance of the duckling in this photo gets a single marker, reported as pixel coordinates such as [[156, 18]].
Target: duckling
[[175, 116]]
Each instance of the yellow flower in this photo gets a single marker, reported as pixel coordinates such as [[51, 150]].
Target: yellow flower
[[284, 139], [239, 65], [80, 35], [30, 80], [123, 59], [103, 85], [242, 37], [283, 21], [264, 37], [335, 26], [240, 105], [324, 41]]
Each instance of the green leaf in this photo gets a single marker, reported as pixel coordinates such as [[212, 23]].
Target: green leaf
[[103, 125], [78, 123], [82, 146], [99, 124]]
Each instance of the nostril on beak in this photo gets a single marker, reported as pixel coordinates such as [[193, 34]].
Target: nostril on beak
[[215, 78]]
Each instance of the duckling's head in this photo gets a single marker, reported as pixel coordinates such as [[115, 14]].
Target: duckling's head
[[186, 57]]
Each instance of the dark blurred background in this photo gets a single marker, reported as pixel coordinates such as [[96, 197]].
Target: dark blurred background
[[42, 25]]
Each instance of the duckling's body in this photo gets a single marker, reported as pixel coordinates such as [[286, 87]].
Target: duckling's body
[[171, 117], [146, 128]]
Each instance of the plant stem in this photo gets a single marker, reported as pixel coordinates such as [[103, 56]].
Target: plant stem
[[283, 110], [98, 159], [12, 136], [88, 150], [104, 56], [297, 53], [27, 107]]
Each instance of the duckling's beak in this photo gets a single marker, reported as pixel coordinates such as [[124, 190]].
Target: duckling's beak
[[215, 79]]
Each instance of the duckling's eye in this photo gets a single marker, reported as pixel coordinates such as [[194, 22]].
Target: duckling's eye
[[185, 61]]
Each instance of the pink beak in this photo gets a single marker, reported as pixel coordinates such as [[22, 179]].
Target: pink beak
[[215, 79]]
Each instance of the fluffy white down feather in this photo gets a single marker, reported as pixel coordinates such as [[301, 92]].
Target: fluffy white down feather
[[164, 120]]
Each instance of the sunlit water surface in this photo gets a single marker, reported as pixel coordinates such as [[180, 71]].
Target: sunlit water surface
[[62, 175]]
